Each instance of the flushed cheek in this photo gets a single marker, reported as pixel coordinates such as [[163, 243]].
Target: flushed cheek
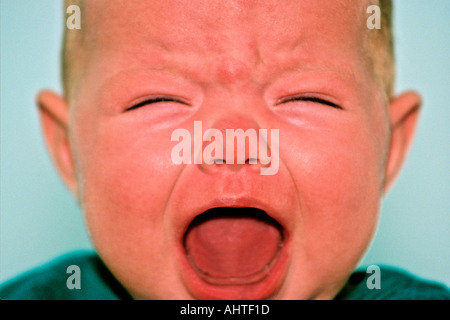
[[339, 200], [127, 179], [338, 166], [338, 181]]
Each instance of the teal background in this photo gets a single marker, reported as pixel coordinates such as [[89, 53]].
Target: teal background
[[40, 219]]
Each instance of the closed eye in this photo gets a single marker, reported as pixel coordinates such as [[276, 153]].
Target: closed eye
[[310, 99], [156, 100]]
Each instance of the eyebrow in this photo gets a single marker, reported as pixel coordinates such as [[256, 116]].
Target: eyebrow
[[268, 72]]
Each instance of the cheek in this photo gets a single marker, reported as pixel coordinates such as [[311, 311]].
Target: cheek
[[126, 178], [338, 165], [337, 174], [340, 190]]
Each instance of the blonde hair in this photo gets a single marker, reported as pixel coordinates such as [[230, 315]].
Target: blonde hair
[[379, 49], [71, 44]]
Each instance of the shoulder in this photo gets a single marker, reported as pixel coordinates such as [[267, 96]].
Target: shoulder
[[393, 284], [49, 281]]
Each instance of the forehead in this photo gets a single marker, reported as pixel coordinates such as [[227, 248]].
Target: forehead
[[240, 35]]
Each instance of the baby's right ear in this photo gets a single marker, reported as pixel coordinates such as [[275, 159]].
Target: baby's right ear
[[54, 115]]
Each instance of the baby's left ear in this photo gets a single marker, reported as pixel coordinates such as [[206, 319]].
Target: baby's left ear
[[403, 113]]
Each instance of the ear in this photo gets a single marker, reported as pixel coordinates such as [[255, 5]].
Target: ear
[[403, 113], [54, 116]]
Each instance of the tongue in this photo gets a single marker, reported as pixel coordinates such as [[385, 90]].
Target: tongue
[[234, 245]]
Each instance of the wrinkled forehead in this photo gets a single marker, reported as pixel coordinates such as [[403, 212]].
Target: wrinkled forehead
[[243, 34], [176, 18], [219, 26]]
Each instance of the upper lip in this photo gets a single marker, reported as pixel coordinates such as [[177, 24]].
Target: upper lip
[[196, 192], [234, 202]]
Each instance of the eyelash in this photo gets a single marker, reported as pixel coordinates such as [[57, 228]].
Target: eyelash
[[311, 99], [291, 99], [155, 100]]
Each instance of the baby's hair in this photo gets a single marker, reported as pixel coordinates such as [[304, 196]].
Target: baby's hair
[[71, 47], [379, 48]]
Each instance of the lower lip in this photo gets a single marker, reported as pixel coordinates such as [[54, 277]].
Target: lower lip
[[264, 288]]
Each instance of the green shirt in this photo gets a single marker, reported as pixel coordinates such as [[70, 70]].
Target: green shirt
[[49, 282]]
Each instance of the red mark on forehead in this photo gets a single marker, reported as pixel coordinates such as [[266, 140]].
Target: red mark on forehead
[[230, 70]]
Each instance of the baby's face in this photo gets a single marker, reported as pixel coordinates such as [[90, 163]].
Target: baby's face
[[297, 66]]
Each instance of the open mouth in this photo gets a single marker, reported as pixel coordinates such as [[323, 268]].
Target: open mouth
[[233, 246]]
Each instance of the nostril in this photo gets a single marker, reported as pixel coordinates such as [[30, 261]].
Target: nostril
[[224, 161]]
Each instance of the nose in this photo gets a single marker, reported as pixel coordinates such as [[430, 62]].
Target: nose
[[234, 144]]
